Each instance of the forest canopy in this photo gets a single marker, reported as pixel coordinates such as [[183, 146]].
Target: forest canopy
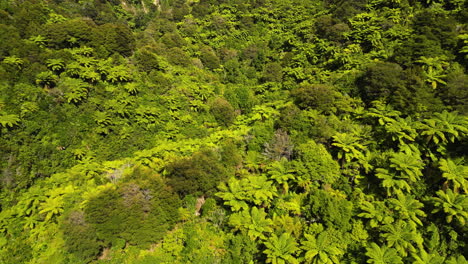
[[234, 131]]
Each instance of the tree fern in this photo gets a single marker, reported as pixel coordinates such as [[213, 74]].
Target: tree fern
[[454, 205], [321, 249], [455, 173], [382, 255], [402, 236], [254, 222], [281, 250], [9, 121], [408, 208], [14, 61]]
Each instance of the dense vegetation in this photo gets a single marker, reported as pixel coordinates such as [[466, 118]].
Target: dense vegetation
[[233, 131]]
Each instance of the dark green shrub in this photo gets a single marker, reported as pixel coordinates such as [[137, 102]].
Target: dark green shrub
[[198, 174], [222, 111], [115, 38], [9, 39], [172, 40], [140, 210], [380, 81], [146, 60], [209, 58], [316, 96], [436, 27], [455, 93], [178, 57], [241, 249], [201, 9], [80, 236], [233, 72], [70, 33], [273, 72], [180, 10]]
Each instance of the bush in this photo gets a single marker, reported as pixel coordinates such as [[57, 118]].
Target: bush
[[273, 72], [140, 210], [80, 236], [333, 211], [455, 93], [178, 57], [115, 38], [9, 39], [380, 81], [222, 111], [330, 28], [316, 96], [233, 72], [209, 58], [260, 134], [197, 175], [146, 60], [316, 164], [70, 33], [172, 40]]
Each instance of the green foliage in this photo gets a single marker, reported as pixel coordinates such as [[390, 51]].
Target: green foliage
[[55, 64], [199, 174], [147, 60], [433, 70], [409, 166], [222, 111], [80, 238], [272, 72], [319, 97], [47, 79], [138, 211], [454, 93], [382, 255], [9, 120], [241, 249], [281, 174], [377, 213], [350, 147], [119, 73], [402, 236], [203, 244], [315, 164], [74, 90], [178, 57], [322, 248], [391, 182], [408, 208], [281, 249], [293, 131], [70, 33], [325, 208], [455, 173], [380, 81], [425, 257], [453, 204], [405, 171], [258, 190], [114, 38], [14, 61], [209, 58], [254, 223], [459, 259]]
